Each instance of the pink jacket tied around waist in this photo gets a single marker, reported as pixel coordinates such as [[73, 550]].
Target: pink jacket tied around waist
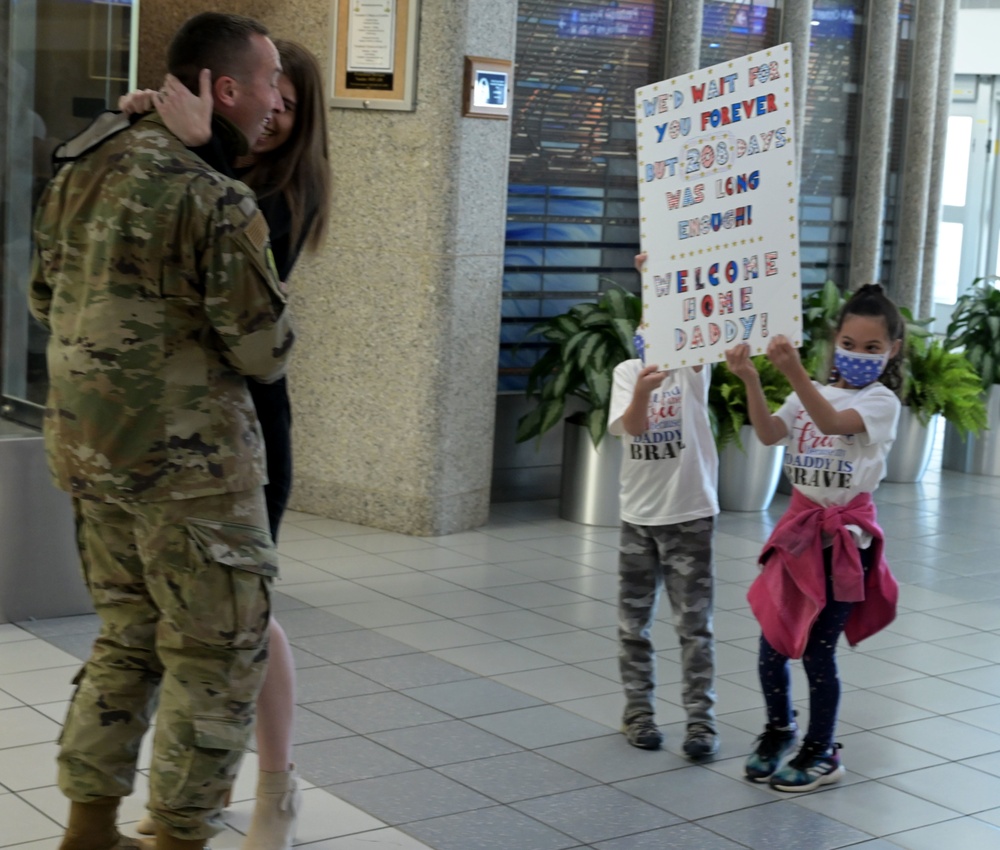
[[790, 591]]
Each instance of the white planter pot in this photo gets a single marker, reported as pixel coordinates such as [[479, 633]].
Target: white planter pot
[[590, 477], [979, 455], [911, 453], [748, 478]]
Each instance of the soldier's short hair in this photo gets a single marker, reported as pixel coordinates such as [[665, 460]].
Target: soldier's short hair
[[214, 40]]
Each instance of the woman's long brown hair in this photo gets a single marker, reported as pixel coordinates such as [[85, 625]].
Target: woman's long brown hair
[[300, 168]]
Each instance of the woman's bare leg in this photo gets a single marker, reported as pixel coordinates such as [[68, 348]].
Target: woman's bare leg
[[276, 704], [278, 796]]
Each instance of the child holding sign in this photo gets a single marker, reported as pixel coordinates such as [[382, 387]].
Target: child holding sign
[[822, 569], [668, 508]]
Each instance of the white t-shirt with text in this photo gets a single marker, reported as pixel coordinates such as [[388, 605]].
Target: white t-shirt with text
[[832, 470], [669, 472]]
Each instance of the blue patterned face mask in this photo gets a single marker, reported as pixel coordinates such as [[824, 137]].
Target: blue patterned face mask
[[857, 369]]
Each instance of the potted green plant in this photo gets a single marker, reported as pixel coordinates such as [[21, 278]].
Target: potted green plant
[[936, 382], [583, 347], [820, 312], [974, 329], [748, 470]]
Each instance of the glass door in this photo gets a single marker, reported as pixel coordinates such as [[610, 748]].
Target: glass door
[[63, 62], [967, 240]]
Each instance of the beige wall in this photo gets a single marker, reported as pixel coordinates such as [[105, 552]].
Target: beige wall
[[394, 374], [159, 21]]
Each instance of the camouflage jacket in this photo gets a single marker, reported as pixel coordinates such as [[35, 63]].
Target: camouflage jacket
[[153, 273]]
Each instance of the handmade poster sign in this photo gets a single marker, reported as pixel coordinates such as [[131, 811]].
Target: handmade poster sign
[[718, 199]]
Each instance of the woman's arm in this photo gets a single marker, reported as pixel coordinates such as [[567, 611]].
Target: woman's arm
[[187, 116]]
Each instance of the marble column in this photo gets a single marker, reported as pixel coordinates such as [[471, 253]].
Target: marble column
[[683, 38], [393, 379], [796, 27], [917, 154], [949, 25], [879, 77]]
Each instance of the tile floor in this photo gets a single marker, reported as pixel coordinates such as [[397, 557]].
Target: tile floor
[[461, 693]]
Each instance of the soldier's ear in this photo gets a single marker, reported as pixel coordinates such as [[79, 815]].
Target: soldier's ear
[[224, 90]]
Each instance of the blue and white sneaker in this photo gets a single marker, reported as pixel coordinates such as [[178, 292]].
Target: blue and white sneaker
[[771, 747], [814, 765]]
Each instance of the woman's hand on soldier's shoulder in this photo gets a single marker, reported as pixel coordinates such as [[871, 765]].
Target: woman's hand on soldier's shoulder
[[187, 116], [137, 102]]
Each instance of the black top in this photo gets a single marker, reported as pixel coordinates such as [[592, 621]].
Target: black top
[[279, 221], [218, 154]]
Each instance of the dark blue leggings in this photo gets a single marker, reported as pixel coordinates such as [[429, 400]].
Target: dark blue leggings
[[820, 662]]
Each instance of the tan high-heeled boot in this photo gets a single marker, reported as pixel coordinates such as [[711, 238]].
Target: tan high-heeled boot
[[92, 826], [275, 811]]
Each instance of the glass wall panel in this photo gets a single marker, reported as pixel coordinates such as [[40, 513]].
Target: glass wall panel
[[731, 29], [956, 160], [64, 61], [828, 160], [948, 262], [572, 199], [904, 67]]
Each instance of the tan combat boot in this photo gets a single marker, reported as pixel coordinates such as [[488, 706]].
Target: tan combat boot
[[92, 827]]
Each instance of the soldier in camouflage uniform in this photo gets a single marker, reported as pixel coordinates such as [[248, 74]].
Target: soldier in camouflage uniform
[[668, 508], [153, 273]]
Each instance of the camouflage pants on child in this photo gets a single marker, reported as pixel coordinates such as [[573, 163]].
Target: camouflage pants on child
[[678, 558], [182, 590]]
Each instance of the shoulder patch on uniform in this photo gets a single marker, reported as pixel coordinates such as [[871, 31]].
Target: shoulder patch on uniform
[[257, 231]]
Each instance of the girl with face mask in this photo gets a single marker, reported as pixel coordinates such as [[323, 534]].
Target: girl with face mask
[[823, 570]]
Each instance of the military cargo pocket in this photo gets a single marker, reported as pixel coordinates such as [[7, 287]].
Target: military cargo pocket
[[244, 547], [220, 733], [75, 682], [202, 773], [228, 602]]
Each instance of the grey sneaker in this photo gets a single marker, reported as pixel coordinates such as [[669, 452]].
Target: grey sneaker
[[701, 741], [642, 732]]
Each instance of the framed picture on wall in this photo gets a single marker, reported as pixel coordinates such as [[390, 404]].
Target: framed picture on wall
[[374, 53], [489, 88]]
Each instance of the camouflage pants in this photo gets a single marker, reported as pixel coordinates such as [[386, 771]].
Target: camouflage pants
[[182, 590], [678, 558]]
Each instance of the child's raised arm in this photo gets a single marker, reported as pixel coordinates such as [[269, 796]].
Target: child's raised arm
[[769, 429], [828, 419], [635, 419]]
